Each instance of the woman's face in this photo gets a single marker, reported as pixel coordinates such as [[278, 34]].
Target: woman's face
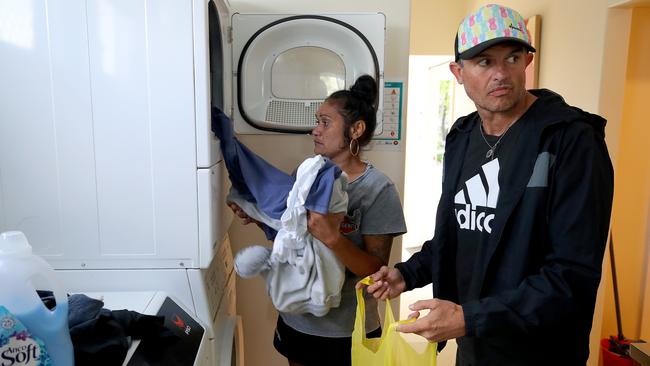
[[328, 135]]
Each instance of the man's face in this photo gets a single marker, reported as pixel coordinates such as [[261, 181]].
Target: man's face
[[495, 79]]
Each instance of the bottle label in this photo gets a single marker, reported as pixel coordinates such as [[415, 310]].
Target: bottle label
[[17, 346]]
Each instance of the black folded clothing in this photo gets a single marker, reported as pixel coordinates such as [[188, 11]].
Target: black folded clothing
[[101, 337]]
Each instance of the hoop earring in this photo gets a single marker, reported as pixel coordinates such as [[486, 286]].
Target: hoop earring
[[354, 150]]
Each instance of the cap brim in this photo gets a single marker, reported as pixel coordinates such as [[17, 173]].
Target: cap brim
[[476, 50]]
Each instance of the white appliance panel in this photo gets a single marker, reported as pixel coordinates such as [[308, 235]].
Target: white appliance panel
[[45, 103], [141, 70], [98, 151], [214, 216], [173, 281]]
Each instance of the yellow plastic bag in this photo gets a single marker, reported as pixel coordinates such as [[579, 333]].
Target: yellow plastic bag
[[389, 350]]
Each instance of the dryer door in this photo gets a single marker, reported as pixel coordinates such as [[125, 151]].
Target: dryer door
[[212, 74], [285, 66], [220, 59]]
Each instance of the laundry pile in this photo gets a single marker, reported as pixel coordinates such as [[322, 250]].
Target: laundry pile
[[302, 275]]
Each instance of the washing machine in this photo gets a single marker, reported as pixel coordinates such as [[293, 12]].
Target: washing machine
[[194, 345], [285, 65], [204, 299]]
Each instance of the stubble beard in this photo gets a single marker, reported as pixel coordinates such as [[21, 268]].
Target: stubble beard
[[504, 106]]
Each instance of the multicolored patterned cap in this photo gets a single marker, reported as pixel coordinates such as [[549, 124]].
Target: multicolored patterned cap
[[489, 25]]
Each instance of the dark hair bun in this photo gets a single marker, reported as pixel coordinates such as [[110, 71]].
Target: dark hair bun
[[365, 88]]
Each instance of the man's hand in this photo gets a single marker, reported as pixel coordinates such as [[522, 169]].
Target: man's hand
[[388, 283], [444, 321]]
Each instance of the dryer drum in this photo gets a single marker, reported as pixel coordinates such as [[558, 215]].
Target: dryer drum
[[288, 67]]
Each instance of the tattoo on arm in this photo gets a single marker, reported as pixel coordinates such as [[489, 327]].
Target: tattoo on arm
[[379, 246]]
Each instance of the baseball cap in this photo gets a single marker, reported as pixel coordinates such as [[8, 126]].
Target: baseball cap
[[489, 25]]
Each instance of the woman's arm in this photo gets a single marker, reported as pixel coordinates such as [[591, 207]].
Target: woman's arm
[[361, 262]]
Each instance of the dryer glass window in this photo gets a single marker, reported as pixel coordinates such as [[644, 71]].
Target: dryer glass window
[[307, 73]]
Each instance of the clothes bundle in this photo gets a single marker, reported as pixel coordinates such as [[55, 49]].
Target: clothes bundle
[[302, 275]]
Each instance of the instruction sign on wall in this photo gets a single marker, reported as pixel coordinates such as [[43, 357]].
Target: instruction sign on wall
[[389, 133]]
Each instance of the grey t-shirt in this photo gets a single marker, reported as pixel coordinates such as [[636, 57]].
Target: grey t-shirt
[[374, 208]]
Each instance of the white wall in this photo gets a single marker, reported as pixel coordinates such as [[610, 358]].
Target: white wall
[[286, 152], [434, 24]]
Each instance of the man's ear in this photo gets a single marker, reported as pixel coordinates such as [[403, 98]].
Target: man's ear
[[457, 70], [529, 58], [357, 129]]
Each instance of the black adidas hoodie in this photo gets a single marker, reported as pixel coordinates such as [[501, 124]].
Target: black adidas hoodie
[[539, 273]]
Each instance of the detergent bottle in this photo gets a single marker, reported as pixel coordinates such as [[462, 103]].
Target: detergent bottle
[[30, 332]]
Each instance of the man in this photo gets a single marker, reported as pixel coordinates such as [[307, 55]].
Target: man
[[523, 218]]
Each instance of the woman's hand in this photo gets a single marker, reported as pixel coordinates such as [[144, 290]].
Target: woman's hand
[[245, 219], [325, 227]]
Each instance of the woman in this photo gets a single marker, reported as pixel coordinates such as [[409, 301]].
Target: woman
[[361, 239]]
